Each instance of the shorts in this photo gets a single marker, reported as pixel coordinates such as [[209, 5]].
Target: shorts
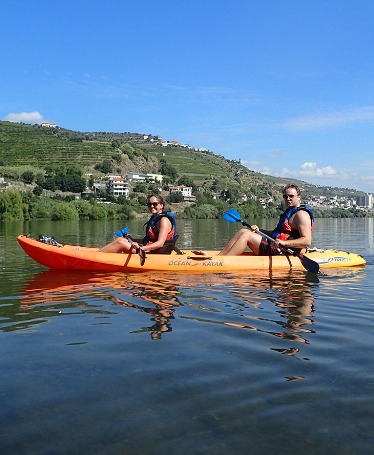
[[268, 249]]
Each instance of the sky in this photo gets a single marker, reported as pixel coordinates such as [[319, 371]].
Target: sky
[[286, 86]]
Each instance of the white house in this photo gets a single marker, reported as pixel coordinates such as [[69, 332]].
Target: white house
[[118, 186], [186, 191], [139, 177]]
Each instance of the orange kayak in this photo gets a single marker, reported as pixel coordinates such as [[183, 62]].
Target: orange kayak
[[73, 257]]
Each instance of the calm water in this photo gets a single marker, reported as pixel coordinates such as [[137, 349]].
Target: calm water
[[186, 364]]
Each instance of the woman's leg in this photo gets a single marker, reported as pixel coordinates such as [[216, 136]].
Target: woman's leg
[[119, 245]]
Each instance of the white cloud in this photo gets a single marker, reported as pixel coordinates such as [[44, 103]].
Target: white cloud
[[24, 117], [258, 166], [331, 119], [308, 170], [311, 170]]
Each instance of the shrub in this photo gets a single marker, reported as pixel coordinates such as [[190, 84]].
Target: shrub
[[64, 211], [11, 205]]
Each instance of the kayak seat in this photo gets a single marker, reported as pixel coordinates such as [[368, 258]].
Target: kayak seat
[[169, 247]]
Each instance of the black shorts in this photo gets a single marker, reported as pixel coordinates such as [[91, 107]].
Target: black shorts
[[268, 249]]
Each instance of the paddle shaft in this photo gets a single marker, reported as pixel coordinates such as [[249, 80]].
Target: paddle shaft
[[310, 265], [270, 239], [233, 215], [138, 251]]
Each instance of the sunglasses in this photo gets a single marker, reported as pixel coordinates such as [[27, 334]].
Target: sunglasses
[[152, 204], [289, 196]]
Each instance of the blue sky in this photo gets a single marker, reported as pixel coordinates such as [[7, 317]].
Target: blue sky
[[287, 86]]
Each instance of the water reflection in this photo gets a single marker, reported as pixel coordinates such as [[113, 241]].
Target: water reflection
[[291, 293], [280, 304], [87, 292], [164, 299]]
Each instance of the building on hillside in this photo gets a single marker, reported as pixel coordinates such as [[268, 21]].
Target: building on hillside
[[186, 191], [189, 198], [49, 125], [138, 177], [365, 201], [99, 187], [154, 177], [118, 186]]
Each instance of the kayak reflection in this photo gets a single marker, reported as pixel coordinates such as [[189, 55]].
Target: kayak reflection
[[60, 289], [292, 294], [281, 304]]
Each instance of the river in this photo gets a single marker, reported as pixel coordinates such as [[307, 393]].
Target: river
[[153, 363]]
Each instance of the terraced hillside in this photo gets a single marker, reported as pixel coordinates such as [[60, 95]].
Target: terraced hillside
[[39, 146], [22, 144]]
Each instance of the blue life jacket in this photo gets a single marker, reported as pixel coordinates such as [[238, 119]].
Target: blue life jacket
[[151, 230], [284, 231]]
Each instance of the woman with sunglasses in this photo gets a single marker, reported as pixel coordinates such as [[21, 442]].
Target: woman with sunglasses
[[294, 230], [160, 227]]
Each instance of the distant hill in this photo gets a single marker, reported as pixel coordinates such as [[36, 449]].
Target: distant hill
[[39, 146]]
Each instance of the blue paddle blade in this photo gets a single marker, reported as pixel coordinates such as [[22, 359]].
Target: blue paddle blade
[[122, 232], [232, 216]]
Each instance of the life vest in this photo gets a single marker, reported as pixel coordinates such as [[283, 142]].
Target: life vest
[[151, 230], [284, 231]]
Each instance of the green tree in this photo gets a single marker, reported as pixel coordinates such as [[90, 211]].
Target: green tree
[[174, 198], [204, 211], [38, 190], [42, 208], [204, 197], [40, 179], [187, 181], [140, 188], [168, 169], [50, 184], [11, 205], [64, 211], [74, 184], [106, 167], [98, 212], [116, 143], [128, 150], [27, 177]]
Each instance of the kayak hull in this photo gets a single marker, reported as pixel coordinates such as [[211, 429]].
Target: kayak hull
[[72, 257]]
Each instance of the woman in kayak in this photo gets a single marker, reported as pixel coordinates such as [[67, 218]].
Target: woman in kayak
[[160, 228], [294, 230]]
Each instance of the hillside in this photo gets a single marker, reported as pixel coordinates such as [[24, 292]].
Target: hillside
[[37, 146]]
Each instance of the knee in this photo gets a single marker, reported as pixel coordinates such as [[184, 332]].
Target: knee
[[247, 233], [121, 242]]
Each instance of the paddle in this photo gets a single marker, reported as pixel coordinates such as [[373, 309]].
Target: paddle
[[233, 216], [124, 233]]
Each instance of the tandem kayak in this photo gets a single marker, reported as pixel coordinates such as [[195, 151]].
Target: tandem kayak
[[73, 257]]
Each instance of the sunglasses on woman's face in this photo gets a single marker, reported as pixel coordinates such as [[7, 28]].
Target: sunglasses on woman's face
[[152, 204]]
